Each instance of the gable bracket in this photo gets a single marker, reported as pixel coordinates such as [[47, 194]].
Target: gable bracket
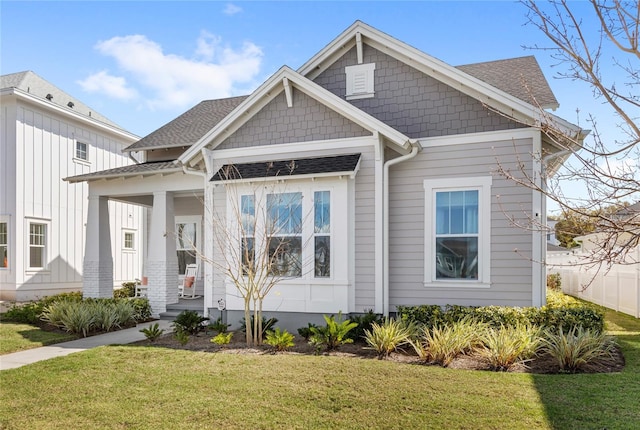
[[359, 47], [287, 92]]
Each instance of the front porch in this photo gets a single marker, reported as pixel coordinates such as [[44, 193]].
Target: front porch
[[183, 305]]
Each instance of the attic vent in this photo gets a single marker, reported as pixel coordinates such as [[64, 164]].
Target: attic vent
[[49, 97], [70, 104], [360, 80]]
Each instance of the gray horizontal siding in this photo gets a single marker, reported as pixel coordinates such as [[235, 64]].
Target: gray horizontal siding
[[510, 272]]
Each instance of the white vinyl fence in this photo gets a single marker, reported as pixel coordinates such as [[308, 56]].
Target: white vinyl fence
[[618, 289]]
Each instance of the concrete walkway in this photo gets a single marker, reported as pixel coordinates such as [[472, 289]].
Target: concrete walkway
[[120, 337]]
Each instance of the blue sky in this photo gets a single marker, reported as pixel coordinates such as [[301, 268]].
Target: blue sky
[[143, 63]]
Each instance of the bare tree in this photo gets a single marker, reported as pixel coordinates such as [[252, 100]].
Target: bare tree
[[608, 169], [258, 242]]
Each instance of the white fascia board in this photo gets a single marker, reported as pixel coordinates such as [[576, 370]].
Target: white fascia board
[[67, 112], [480, 137], [269, 90]]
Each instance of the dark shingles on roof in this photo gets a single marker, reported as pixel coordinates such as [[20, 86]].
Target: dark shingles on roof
[[131, 170], [521, 77], [301, 166], [189, 127]]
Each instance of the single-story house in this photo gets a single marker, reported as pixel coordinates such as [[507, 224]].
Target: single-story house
[[385, 161]]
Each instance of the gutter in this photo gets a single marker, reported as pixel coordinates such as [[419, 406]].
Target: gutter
[[415, 148]]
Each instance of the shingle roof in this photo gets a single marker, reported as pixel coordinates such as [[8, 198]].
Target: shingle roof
[[301, 166], [189, 127], [33, 84], [520, 77], [132, 170]]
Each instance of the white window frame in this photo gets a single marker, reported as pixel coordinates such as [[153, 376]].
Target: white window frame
[[360, 81], [45, 246], [6, 245], [197, 220], [76, 158], [432, 186], [338, 242], [126, 248]]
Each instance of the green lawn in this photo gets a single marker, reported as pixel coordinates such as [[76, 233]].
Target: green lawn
[[147, 387], [18, 337]]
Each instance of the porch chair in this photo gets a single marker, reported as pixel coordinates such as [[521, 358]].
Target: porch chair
[[188, 282]]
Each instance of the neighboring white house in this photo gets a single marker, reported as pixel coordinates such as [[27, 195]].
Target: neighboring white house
[[47, 135], [397, 150]]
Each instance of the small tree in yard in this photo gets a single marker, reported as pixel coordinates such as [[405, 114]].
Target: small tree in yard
[[607, 60], [258, 242]]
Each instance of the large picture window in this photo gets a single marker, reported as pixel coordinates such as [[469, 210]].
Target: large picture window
[[37, 245], [457, 231], [292, 228]]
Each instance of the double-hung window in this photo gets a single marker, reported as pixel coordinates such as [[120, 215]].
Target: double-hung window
[[129, 241], [37, 245], [81, 151], [4, 245], [322, 234], [457, 231]]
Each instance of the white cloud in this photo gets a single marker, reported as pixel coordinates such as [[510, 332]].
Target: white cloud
[[231, 9], [113, 86], [170, 81]]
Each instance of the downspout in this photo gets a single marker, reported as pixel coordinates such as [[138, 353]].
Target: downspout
[[132, 158], [415, 148]]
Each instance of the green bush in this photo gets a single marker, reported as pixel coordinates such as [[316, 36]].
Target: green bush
[[128, 290], [334, 334], [575, 349], [281, 340], [222, 338], [153, 332], [306, 332], [387, 337], [27, 313], [189, 321], [441, 344], [218, 326], [505, 346], [141, 309], [561, 311], [364, 322], [105, 315]]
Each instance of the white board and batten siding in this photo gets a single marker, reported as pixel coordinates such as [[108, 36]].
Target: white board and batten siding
[[45, 145], [510, 271]]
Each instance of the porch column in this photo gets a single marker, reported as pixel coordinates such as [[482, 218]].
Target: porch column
[[162, 262], [97, 276]]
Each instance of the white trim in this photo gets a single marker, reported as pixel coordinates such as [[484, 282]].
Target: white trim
[[197, 220], [269, 90], [538, 242], [134, 241], [297, 148], [46, 247], [480, 137], [366, 71], [483, 185]]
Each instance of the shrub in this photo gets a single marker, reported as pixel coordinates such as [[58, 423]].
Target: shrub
[[306, 332], [128, 290], [189, 321], [28, 313], [441, 344], [505, 346], [153, 332], [181, 335], [334, 334], [387, 337], [281, 340], [125, 313], [554, 282], [364, 323], [141, 308], [427, 315], [77, 317], [104, 314], [577, 348], [75, 296], [222, 338]]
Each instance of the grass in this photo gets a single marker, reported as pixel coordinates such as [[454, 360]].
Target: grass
[[19, 337], [147, 388]]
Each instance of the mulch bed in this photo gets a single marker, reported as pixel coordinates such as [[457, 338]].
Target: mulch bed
[[540, 365]]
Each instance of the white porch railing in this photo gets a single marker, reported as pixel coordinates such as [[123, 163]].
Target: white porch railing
[[618, 289]]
